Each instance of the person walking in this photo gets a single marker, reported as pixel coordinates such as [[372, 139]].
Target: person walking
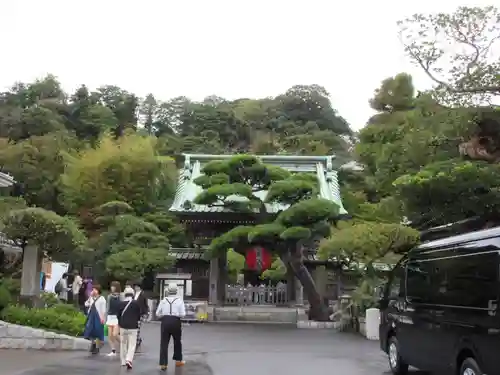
[[129, 315], [94, 326], [142, 301], [114, 303], [170, 311]]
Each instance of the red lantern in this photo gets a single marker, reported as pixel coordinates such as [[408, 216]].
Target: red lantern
[[258, 259]]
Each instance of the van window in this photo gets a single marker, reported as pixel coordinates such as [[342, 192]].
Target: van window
[[418, 281], [468, 281], [396, 284]]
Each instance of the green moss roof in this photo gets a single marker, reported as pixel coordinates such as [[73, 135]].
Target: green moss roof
[[6, 180], [187, 190]]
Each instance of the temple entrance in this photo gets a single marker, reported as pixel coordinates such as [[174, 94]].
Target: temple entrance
[[203, 223]]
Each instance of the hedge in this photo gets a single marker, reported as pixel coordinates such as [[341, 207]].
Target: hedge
[[5, 297], [60, 318]]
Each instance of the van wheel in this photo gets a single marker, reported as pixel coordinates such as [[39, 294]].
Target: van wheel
[[470, 367], [398, 366]]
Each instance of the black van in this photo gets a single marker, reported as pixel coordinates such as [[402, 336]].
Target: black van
[[438, 311]]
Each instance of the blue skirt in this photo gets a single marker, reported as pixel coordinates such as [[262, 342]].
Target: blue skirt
[[94, 329]]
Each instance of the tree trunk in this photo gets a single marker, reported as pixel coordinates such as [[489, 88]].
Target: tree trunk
[[290, 284], [318, 310]]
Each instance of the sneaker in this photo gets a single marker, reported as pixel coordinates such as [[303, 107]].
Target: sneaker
[[163, 368], [180, 363], [112, 354], [129, 365]]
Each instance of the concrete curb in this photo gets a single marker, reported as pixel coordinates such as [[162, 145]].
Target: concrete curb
[[13, 336], [309, 324]]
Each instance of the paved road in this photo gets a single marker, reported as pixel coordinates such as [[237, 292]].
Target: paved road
[[221, 349]]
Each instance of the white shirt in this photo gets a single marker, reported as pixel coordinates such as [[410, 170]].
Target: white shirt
[[77, 284], [100, 305], [177, 305]]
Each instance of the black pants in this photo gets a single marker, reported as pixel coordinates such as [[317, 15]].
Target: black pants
[[170, 327]]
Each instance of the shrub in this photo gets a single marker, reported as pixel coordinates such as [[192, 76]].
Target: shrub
[[65, 309], [51, 318], [49, 299], [12, 285], [5, 297], [364, 296]]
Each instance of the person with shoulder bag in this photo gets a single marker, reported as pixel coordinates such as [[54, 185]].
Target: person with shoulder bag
[[129, 315], [94, 326]]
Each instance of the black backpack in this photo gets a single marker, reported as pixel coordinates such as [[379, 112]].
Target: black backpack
[[58, 288]]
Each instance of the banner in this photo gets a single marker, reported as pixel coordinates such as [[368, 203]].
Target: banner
[[196, 311], [57, 271]]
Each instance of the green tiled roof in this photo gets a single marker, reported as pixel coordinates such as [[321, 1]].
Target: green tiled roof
[[6, 180], [187, 190]]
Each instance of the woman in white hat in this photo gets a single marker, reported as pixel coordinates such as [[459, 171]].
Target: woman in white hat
[[170, 311]]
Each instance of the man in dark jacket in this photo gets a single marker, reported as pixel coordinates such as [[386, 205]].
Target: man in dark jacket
[[142, 301], [129, 315]]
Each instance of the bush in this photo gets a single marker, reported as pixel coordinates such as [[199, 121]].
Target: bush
[[12, 285], [364, 296], [52, 318], [49, 299], [5, 297], [65, 309]]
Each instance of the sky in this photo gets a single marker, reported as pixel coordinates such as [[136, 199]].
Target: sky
[[198, 48]]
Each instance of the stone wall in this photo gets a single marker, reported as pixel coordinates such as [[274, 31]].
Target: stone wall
[[13, 336]]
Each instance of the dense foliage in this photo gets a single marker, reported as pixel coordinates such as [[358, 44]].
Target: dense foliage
[[73, 153], [96, 169], [429, 158], [58, 318]]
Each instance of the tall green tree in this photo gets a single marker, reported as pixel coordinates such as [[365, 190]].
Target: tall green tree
[[125, 245], [127, 169], [124, 106], [36, 164], [148, 111], [54, 235], [89, 118]]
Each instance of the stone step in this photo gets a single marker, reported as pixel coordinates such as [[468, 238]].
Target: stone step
[[256, 315], [252, 322]]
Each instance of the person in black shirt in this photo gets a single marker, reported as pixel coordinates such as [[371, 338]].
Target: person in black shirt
[[129, 315]]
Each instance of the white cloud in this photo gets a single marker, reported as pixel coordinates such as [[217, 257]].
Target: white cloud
[[197, 48]]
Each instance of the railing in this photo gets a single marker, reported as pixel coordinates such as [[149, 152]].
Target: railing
[[244, 296]]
